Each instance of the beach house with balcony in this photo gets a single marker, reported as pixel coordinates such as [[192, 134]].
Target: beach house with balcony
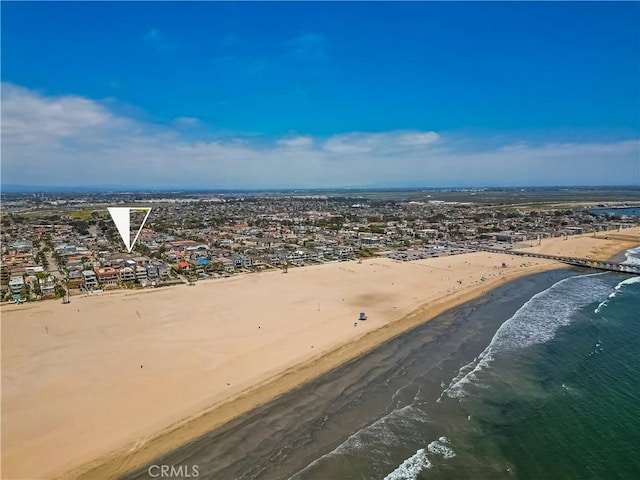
[[15, 284], [106, 276], [90, 279], [47, 285], [127, 274], [141, 274]]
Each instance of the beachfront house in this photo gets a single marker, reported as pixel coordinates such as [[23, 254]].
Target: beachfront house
[[241, 261], [258, 262], [163, 270], [141, 274], [47, 285], [15, 284], [74, 274], [152, 272], [90, 279], [127, 274], [227, 264], [183, 268], [106, 276]]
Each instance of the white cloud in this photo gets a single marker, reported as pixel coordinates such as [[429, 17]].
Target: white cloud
[[70, 140], [381, 143], [28, 116], [418, 138], [296, 142]]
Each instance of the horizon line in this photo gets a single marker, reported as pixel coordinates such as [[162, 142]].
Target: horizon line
[[20, 188]]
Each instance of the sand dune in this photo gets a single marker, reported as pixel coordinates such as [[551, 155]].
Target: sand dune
[[107, 374]]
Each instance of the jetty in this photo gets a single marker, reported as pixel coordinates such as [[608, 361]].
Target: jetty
[[575, 261]]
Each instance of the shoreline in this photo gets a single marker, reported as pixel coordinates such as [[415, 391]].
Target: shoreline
[[296, 376], [325, 413], [275, 383]]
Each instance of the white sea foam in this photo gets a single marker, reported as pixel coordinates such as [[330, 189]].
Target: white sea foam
[[601, 305], [633, 256], [379, 435], [535, 322], [628, 281], [419, 462], [439, 447], [411, 467]]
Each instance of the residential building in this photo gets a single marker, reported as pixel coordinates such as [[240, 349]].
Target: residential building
[[90, 279], [141, 273], [152, 272], [127, 274], [241, 261], [47, 285], [15, 284], [106, 275]]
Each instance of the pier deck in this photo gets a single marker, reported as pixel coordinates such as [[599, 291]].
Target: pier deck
[[578, 262]]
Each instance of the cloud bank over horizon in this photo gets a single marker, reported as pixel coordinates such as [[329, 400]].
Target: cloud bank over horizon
[[74, 141]]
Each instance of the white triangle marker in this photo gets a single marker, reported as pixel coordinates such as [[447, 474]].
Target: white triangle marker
[[121, 216]]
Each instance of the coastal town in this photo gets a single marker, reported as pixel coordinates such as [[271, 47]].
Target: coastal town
[[64, 245]]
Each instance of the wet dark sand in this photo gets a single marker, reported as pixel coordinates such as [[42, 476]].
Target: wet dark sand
[[279, 439]]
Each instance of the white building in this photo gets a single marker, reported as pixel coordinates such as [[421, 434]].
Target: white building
[[90, 280], [15, 284], [141, 273], [127, 274]]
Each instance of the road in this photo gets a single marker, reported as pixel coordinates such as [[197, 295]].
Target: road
[[53, 266]]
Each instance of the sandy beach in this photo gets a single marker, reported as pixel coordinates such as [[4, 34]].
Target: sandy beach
[[102, 385]]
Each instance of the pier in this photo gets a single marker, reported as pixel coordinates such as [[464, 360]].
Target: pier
[[578, 262]]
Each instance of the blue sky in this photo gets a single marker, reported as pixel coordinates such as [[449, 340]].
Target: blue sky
[[321, 94]]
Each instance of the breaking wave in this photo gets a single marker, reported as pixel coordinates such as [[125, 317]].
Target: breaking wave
[[419, 462], [633, 256], [411, 467], [535, 322]]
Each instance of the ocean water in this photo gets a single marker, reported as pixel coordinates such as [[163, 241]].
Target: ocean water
[[632, 211], [554, 395]]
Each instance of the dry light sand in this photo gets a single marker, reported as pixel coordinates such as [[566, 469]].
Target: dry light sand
[[120, 378]]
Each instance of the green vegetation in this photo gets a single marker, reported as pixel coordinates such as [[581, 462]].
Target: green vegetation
[[87, 214]]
